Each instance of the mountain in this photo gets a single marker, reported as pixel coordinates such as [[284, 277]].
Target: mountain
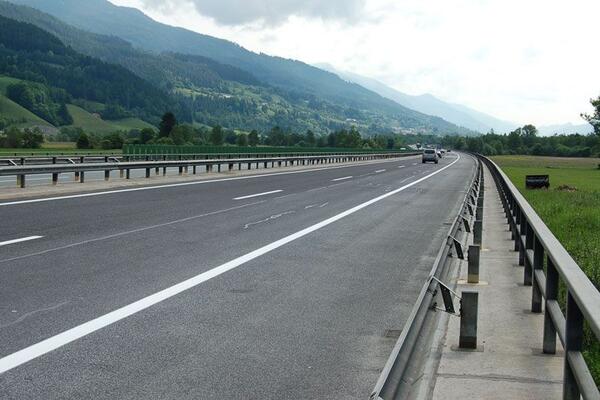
[[51, 75], [565, 129], [428, 104], [310, 97]]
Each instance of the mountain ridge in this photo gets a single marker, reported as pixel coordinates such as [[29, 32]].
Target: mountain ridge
[[429, 104], [296, 80]]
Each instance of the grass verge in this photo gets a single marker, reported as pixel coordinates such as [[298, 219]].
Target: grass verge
[[571, 209]]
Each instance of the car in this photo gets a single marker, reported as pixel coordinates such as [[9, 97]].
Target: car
[[439, 153], [429, 155]]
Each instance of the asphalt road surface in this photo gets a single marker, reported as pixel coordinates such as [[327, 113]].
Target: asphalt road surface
[[286, 286]]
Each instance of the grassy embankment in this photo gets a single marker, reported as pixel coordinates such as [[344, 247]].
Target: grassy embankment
[[571, 209], [55, 148], [85, 119]]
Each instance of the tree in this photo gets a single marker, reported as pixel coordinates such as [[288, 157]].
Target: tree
[[32, 139], [146, 135], [276, 137], [216, 135], [310, 138], [253, 138], [594, 119], [242, 140], [167, 123], [230, 137], [14, 138], [83, 141]]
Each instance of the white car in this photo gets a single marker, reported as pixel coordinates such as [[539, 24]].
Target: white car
[[429, 155]]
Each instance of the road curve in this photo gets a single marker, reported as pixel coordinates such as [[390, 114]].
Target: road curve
[[282, 286]]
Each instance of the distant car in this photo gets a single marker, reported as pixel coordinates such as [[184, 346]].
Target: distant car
[[429, 155], [439, 153]]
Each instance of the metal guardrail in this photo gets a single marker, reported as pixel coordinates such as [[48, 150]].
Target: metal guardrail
[[538, 249], [79, 169], [83, 158], [390, 384]]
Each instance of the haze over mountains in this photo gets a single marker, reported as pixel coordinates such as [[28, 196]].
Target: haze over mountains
[[214, 81], [274, 91]]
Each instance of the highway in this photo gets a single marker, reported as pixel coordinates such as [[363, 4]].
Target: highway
[[287, 285]]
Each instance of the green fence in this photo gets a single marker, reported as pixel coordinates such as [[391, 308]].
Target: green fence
[[150, 149]]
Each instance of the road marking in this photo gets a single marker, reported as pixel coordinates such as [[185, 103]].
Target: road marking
[[380, 171], [402, 166], [257, 195], [342, 179], [25, 239], [54, 342], [171, 185], [415, 163], [404, 180]]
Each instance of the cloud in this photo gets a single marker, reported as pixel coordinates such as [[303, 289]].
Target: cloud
[[267, 12]]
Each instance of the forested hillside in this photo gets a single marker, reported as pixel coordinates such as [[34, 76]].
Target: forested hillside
[[224, 83], [60, 75]]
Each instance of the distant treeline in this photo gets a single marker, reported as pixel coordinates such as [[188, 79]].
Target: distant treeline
[[525, 140], [171, 132]]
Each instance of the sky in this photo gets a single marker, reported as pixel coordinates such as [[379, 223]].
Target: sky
[[524, 61]]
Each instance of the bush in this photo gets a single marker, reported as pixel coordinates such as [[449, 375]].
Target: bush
[[83, 141]]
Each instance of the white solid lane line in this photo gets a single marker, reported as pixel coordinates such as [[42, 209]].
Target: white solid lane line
[[342, 179], [52, 343], [402, 166], [257, 195], [25, 239], [380, 171]]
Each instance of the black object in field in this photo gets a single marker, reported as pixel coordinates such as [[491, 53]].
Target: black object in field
[[537, 181]]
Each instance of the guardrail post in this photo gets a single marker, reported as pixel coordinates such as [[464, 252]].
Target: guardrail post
[[538, 264], [230, 167], [249, 166], [180, 170], [194, 169], [528, 271], [478, 232], [573, 342], [549, 346], [479, 213], [21, 181], [473, 254], [121, 172], [522, 248], [82, 177], [517, 227], [468, 320], [127, 173], [55, 179], [107, 175], [147, 172]]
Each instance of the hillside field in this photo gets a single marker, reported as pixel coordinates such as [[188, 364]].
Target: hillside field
[[93, 124]]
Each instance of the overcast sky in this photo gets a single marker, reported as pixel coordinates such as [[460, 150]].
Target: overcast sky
[[520, 60]]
